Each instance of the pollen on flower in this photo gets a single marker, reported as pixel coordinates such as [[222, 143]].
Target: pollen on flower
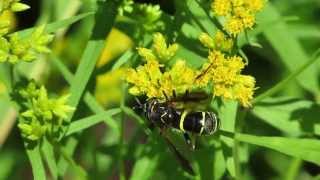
[[255, 5], [221, 7], [218, 42], [240, 14], [234, 26], [163, 51], [225, 73]]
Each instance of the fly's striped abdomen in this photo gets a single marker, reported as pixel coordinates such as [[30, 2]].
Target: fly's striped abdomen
[[202, 123]]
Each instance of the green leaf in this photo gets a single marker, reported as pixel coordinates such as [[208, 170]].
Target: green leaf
[[87, 122], [306, 149], [144, 168], [89, 99], [104, 20], [288, 48], [291, 77], [53, 27], [38, 170], [48, 152], [292, 116], [122, 60], [227, 115], [200, 16]]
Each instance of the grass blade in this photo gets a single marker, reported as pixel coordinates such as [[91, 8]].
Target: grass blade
[[306, 149], [87, 122], [288, 48], [228, 115], [38, 170], [48, 152], [54, 26], [107, 10], [292, 76]]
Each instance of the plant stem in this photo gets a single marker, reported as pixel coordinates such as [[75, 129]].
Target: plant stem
[[241, 114], [293, 169], [121, 140], [292, 76]]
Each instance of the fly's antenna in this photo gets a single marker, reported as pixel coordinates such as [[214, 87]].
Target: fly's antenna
[[165, 95], [174, 94]]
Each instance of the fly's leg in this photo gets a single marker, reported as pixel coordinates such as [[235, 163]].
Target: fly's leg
[[189, 141]]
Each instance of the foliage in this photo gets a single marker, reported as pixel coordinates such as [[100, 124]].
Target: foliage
[[69, 77]]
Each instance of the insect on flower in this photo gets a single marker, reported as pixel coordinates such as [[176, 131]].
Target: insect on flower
[[173, 113]]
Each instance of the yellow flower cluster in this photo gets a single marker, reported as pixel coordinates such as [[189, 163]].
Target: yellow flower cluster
[[12, 5], [221, 70], [239, 14], [219, 41], [148, 79], [228, 82], [160, 50]]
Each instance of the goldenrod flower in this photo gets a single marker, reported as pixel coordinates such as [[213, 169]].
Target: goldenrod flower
[[254, 5], [239, 14], [146, 79], [218, 42], [40, 114], [163, 51], [221, 7], [234, 26], [225, 73], [12, 5], [222, 69]]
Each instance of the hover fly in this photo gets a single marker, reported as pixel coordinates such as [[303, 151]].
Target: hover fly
[[176, 113]]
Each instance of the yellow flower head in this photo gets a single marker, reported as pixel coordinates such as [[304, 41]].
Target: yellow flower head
[[163, 51], [221, 7], [218, 42], [239, 14], [234, 26], [254, 5], [225, 73]]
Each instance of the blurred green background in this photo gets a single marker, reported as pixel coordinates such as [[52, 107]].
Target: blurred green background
[[287, 30]]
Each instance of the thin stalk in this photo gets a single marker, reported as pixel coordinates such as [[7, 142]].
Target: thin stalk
[[292, 76], [293, 169], [121, 141], [241, 114]]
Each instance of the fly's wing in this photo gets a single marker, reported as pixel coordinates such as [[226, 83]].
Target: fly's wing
[[182, 160], [191, 100]]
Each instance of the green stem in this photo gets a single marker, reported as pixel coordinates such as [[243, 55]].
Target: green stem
[[292, 76], [241, 114], [293, 169], [121, 141], [11, 76]]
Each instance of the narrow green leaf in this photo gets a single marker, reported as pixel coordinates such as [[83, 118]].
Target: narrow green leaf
[[122, 60], [104, 20], [48, 152], [92, 52], [200, 16], [295, 74], [227, 114], [292, 116], [288, 48], [306, 149], [87, 122], [89, 99], [145, 167], [52, 27], [38, 170]]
